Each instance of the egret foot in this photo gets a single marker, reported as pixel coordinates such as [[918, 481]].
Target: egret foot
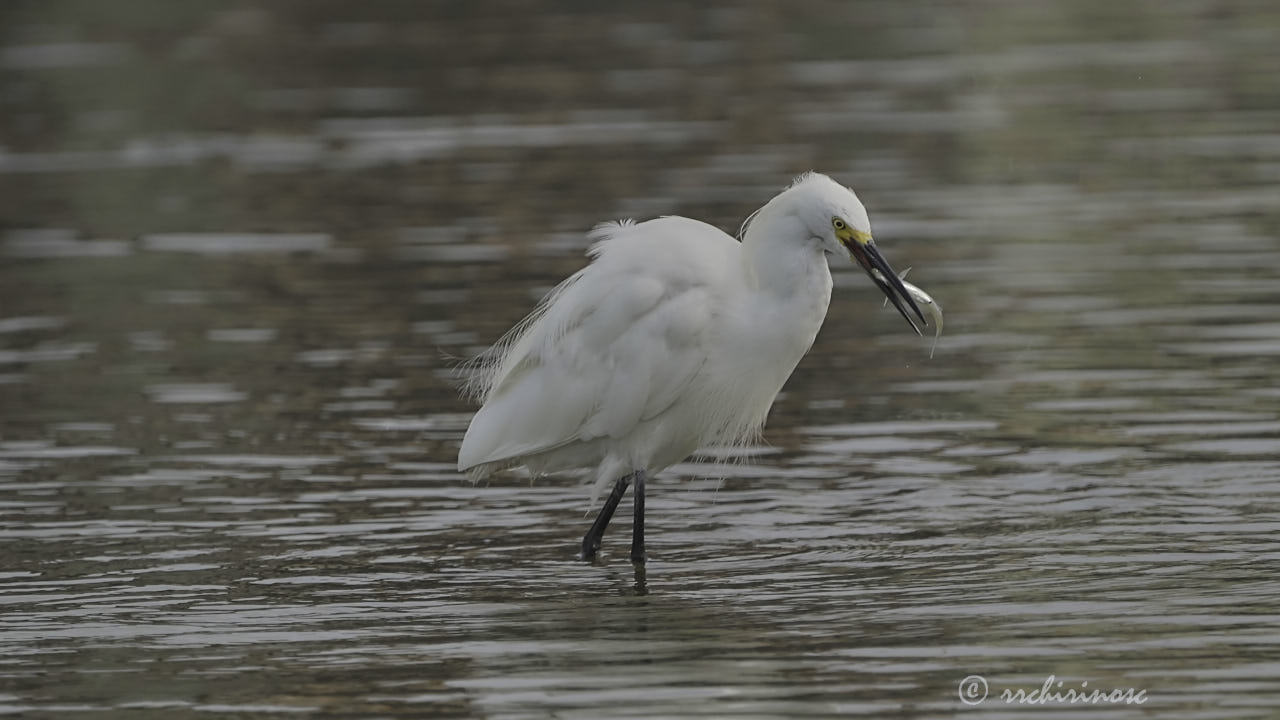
[[640, 587], [591, 541], [637, 519]]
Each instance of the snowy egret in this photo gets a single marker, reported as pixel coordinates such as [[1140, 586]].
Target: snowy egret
[[675, 336]]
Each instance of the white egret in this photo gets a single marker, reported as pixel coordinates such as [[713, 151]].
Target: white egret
[[675, 336]]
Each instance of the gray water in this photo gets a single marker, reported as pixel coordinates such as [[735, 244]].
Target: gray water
[[243, 249]]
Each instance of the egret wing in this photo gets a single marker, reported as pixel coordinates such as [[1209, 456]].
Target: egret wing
[[614, 345]]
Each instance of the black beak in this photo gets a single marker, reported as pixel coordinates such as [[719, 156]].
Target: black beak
[[869, 257]]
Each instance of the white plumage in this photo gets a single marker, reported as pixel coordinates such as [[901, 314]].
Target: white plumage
[[675, 336]]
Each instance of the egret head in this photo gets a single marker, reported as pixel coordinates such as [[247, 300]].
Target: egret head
[[836, 218]]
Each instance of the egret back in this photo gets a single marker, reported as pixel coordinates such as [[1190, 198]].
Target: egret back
[[607, 353]]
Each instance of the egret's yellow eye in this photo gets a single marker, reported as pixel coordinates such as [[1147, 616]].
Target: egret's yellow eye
[[837, 223]]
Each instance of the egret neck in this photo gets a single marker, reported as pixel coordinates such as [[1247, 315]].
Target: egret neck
[[789, 268]]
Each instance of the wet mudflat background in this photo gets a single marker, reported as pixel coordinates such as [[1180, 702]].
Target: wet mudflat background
[[243, 248]]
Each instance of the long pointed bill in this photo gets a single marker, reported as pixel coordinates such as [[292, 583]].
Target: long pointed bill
[[869, 257]]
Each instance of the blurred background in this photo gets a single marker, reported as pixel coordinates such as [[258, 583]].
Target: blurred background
[[243, 247]]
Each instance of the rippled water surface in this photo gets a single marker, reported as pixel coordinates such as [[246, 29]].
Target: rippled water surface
[[243, 248]]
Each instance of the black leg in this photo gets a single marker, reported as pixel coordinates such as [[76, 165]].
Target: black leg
[[591, 542], [637, 521]]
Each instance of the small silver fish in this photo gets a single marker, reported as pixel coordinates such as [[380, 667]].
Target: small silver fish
[[927, 304]]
